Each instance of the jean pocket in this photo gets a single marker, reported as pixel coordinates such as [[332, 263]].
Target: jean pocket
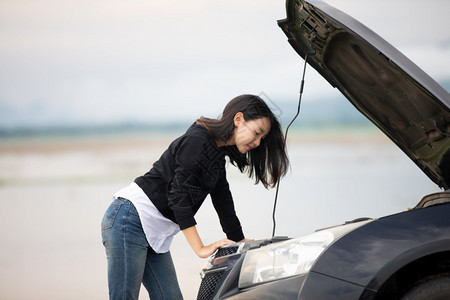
[[133, 210], [110, 215]]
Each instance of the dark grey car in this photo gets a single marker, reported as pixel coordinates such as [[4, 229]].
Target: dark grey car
[[400, 256]]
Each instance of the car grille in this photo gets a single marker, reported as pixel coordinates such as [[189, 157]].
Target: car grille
[[226, 251], [208, 285], [212, 277]]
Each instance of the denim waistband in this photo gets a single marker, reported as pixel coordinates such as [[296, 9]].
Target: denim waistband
[[122, 199]]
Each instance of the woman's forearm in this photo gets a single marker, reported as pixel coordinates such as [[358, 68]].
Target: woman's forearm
[[193, 238], [196, 243]]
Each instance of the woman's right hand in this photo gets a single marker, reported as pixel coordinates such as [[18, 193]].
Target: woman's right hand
[[206, 251], [196, 243]]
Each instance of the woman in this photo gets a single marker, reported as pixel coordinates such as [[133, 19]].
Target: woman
[[139, 226]]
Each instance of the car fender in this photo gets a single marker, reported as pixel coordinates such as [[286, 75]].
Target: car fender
[[374, 251]]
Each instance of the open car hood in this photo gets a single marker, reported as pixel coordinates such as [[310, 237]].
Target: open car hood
[[384, 85]]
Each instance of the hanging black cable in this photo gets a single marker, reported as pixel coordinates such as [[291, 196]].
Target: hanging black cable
[[285, 139]]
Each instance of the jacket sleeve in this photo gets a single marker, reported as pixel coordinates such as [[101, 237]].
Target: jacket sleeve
[[224, 205], [186, 189]]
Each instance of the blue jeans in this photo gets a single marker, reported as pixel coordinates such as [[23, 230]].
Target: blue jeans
[[131, 261]]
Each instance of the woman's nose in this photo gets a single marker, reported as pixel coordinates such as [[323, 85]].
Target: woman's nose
[[257, 142]]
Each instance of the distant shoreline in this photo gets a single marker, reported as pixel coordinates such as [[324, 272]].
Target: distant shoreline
[[67, 141], [106, 130]]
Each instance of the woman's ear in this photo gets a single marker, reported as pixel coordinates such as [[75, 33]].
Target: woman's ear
[[238, 118]]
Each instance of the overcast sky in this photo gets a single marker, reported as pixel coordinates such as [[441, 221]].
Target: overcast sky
[[110, 60]]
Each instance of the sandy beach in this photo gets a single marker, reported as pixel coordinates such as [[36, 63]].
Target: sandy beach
[[54, 192]]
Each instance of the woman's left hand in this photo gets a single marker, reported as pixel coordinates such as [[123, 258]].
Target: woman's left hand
[[245, 240]]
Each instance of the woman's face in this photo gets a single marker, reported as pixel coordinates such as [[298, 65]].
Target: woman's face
[[248, 134]]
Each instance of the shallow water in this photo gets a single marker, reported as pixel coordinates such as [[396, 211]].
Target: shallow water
[[53, 195]]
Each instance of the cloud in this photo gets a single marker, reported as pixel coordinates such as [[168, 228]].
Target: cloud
[[110, 60]]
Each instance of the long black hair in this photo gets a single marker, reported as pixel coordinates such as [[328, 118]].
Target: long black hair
[[266, 163]]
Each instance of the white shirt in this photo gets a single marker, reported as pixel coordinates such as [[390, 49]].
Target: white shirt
[[158, 230]]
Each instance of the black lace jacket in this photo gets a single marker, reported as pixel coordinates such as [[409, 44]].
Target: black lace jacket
[[190, 169]]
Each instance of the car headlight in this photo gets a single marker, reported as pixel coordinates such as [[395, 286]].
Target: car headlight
[[289, 258]]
